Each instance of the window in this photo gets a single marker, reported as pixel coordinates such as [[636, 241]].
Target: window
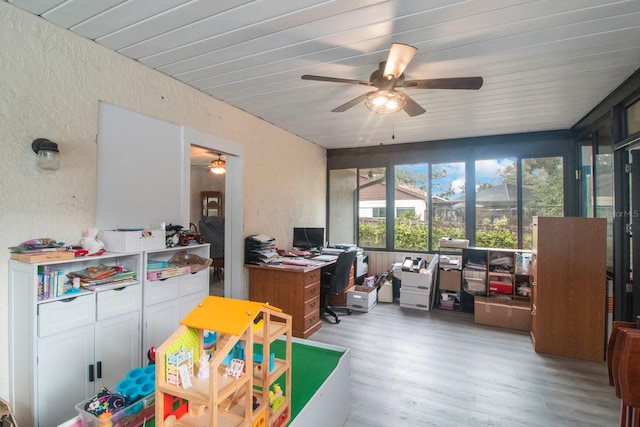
[[633, 118], [372, 200], [488, 194], [603, 184], [411, 226], [379, 213], [447, 196], [586, 178], [542, 192], [496, 203], [342, 206]]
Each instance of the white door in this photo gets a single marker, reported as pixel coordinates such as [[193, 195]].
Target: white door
[[65, 362], [117, 348], [160, 320]]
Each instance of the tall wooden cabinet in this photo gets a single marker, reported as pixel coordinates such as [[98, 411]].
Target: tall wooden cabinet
[[569, 287]]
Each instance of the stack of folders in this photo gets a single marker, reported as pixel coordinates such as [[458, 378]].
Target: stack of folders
[[260, 249]]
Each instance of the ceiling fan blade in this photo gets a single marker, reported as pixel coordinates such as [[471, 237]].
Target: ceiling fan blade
[[335, 80], [471, 83], [352, 103], [399, 57], [412, 108]]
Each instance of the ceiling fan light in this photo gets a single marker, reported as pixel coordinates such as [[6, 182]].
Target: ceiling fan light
[[217, 167], [386, 101]]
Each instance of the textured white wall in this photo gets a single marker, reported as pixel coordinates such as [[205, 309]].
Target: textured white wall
[[50, 84]]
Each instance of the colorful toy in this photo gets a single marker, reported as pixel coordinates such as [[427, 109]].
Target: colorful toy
[[231, 391], [235, 369], [175, 361], [276, 397]]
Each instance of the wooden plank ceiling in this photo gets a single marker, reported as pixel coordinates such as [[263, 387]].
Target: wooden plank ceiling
[[545, 63]]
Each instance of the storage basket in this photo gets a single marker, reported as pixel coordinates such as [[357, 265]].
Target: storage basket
[[132, 241]]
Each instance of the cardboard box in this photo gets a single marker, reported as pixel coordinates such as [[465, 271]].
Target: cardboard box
[[450, 280], [362, 298], [505, 314]]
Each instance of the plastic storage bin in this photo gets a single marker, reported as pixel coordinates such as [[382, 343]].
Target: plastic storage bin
[[133, 415]]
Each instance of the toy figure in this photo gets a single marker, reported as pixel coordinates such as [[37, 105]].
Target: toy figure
[[90, 242], [203, 366]]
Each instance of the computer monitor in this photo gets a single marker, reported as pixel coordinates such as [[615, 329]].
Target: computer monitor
[[308, 237]]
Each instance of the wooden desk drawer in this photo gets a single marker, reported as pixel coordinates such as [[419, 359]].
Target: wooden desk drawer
[[311, 305], [312, 276], [311, 291], [311, 319]]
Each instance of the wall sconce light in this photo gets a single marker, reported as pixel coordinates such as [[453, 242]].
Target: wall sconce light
[[48, 154], [386, 101], [218, 166]]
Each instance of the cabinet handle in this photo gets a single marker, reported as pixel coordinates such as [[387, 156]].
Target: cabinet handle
[[91, 377], [99, 369], [533, 312]]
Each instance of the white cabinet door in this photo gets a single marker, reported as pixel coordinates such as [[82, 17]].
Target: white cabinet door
[[117, 348], [160, 320], [189, 302], [64, 362]]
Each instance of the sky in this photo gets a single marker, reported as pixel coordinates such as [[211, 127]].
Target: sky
[[486, 171]]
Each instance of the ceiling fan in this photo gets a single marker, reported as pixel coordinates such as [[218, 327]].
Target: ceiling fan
[[389, 76]]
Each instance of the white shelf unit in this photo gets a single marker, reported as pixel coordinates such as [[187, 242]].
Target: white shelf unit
[[166, 302], [64, 349]]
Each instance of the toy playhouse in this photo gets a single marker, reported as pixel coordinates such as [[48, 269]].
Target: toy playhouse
[[217, 368]]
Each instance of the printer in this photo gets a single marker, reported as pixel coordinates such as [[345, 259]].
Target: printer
[[361, 263]]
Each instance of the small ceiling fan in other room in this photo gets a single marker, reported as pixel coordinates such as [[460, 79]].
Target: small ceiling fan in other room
[[389, 76]]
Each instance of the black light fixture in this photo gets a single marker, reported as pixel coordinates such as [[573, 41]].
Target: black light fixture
[[48, 154]]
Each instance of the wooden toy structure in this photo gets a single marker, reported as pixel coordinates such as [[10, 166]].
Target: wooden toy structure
[[221, 399]]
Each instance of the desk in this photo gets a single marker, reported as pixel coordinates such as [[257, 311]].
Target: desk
[[295, 290]]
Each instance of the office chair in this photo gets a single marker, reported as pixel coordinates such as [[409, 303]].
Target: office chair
[[335, 279], [212, 228]]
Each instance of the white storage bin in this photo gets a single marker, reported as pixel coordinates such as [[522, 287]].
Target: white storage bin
[[132, 241]]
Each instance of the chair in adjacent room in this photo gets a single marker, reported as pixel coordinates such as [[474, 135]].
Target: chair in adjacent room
[[335, 279], [212, 228]]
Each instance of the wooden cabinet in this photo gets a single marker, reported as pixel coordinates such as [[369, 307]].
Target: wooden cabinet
[[169, 300], [295, 291], [569, 287], [212, 204], [64, 349]]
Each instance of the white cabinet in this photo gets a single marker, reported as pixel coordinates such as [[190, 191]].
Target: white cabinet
[[63, 349], [167, 301]]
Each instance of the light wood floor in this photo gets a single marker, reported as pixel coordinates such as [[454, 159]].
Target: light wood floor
[[412, 368]]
